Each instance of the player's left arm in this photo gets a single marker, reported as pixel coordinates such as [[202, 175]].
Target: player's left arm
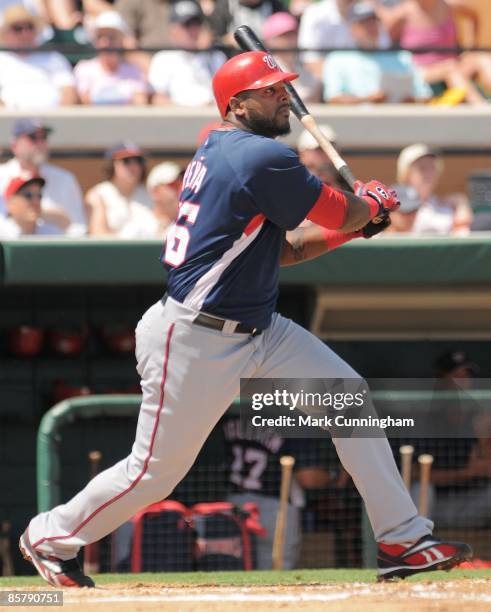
[[305, 243]]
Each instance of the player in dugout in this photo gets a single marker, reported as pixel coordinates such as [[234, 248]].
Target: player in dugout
[[242, 194]]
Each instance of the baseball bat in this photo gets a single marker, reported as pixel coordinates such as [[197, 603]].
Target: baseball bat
[[249, 41], [91, 551], [5, 551], [406, 451], [287, 462], [425, 462]]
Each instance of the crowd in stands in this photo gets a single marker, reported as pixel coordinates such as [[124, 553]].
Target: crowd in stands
[[166, 51], [41, 198]]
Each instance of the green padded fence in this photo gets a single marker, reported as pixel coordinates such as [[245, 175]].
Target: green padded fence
[[385, 261]]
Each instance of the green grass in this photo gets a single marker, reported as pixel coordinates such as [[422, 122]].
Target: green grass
[[254, 578]]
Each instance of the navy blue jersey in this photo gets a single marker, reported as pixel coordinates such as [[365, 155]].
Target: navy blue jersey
[[240, 194]]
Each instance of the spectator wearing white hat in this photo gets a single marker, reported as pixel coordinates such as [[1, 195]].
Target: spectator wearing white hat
[[419, 169], [43, 79], [314, 158], [109, 78], [280, 31], [163, 185]]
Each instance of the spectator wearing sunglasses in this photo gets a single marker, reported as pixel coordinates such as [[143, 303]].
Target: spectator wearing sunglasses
[[38, 80], [183, 77], [62, 201], [109, 78], [120, 206], [25, 215]]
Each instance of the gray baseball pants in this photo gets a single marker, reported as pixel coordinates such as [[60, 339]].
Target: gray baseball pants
[[189, 377]]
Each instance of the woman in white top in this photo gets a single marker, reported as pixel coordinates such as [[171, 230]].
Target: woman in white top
[[120, 206], [109, 78]]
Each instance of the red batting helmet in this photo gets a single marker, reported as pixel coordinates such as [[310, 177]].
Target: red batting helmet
[[251, 70]]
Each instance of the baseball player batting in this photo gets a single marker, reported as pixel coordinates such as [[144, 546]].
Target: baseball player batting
[[242, 193]]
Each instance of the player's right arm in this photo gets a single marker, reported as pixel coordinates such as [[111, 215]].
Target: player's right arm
[[286, 193]]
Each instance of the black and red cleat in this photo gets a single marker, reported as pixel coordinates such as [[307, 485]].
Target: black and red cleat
[[55, 571], [425, 555]]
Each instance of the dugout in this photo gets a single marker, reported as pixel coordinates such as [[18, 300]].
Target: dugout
[[389, 306]]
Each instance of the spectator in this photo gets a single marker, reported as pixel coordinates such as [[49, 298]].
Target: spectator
[[229, 14], [184, 77], [109, 78], [280, 31], [120, 206], [41, 79], [316, 161], [164, 185], [24, 213], [423, 23], [62, 201], [420, 168], [324, 24], [355, 77]]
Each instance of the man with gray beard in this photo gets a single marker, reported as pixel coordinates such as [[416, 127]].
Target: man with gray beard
[[62, 200]]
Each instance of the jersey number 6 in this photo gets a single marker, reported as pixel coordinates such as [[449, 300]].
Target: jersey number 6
[[179, 236]]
